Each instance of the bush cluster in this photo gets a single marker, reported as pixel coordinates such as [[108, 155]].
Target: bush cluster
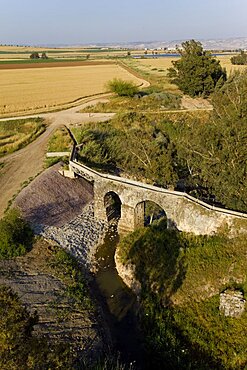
[[122, 88], [16, 236], [240, 59]]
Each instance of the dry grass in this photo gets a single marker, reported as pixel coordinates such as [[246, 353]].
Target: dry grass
[[155, 71], [16, 134], [225, 62], [155, 65], [60, 141], [29, 90]]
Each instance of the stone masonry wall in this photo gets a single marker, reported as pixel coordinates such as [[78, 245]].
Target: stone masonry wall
[[183, 211]]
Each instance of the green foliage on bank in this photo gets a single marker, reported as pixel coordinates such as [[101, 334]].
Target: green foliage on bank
[[182, 276], [216, 150], [196, 73], [19, 349], [16, 236], [69, 271], [130, 144]]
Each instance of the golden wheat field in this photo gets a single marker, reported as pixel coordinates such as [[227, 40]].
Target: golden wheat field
[[155, 65], [30, 90]]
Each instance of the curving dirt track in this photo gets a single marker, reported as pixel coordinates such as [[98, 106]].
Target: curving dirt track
[[28, 162]]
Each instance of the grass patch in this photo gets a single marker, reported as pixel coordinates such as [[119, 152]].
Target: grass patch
[[60, 141], [15, 134], [68, 270], [49, 162], [148, 100]]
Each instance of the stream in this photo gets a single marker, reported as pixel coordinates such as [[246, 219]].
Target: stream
[[120, 302]]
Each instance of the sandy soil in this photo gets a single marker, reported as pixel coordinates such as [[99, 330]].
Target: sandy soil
[[195, 103]]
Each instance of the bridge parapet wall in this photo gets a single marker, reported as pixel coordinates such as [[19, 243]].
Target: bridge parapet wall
[[183, 211]]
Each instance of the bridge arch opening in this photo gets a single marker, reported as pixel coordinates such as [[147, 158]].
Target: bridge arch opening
[[148, 212], [113, 206]]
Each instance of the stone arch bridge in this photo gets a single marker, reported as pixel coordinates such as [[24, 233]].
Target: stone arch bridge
[[182, 210]]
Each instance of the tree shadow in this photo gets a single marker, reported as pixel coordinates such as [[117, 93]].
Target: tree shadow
[[160, 260]]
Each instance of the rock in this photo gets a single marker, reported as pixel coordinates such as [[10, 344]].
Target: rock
[[127, 274], [80, 237], [232, 303]]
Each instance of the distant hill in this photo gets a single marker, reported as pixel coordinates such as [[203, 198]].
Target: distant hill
[[210, 44], [233, 43]]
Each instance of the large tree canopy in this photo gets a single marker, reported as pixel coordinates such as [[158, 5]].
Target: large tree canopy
[[196, 73], [216, 151]]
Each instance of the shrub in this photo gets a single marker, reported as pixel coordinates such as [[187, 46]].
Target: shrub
[[122, 88], [240, 59], [15, 235]]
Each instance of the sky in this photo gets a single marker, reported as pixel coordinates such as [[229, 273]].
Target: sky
[[35, 22]]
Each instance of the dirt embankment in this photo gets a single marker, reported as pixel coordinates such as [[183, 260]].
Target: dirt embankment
[[52, 199]]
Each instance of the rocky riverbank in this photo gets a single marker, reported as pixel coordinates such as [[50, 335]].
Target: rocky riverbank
[[127, 274], [80, 237]]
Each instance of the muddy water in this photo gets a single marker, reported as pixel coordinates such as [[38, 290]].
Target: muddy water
[[120, 302]]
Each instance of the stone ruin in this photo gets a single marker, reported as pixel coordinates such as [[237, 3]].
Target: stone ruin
[[232, 303]]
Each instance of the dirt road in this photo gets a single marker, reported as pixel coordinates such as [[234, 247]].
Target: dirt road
[[28, 162]]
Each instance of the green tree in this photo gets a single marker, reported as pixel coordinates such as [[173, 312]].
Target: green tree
[[216, 150], [35, 55], [44, 56], [196, 73]]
